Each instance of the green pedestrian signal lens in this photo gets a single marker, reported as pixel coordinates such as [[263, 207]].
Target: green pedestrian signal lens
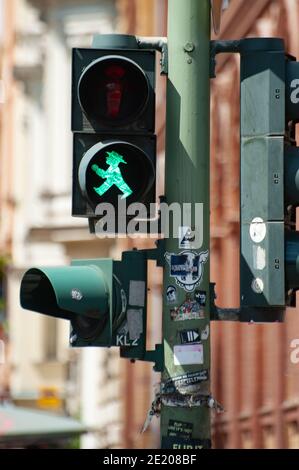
[[115, 169], [112, 175]]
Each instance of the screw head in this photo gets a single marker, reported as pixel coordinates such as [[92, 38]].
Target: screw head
[[189, 47]]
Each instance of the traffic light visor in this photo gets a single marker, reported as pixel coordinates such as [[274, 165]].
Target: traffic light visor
[[65, 292]]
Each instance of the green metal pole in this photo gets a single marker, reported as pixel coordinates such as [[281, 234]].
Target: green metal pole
[[187, 181]]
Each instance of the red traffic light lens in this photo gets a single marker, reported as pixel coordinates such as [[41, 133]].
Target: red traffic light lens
[[113, 90]]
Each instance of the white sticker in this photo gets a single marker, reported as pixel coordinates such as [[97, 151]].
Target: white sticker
[[137, 293], [186, 237], [76, 294], [257, 286], [259, 257], [135, 323], [187, 354], [205, 333], [257, 230]]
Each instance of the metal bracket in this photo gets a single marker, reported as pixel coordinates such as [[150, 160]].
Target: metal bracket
[[140, 353], [158, 44], [242, 46], [156, 254], [156, 356], [218, 47], [244, 314]]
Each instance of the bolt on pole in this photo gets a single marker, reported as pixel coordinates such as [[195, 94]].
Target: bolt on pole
[[185, 388]]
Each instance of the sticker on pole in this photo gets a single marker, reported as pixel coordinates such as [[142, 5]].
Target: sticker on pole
[[205, 333], [178, 443], [186, 383], [201, 297], [190, 336], [171, 295], [188, 354], [188, 310], [186, 237], [187, 268], [180, 429]]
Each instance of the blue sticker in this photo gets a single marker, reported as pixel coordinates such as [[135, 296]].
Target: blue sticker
[[187, 268]]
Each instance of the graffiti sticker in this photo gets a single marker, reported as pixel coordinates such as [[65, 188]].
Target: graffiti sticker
[[186, 383], [186, 237], [187, 268], [188, 310], [171, 296], [201, 297], [180, 429]]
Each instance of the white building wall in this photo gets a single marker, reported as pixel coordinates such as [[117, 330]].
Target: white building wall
[[42, 160]]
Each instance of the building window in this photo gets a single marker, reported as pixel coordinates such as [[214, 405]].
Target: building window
[[268, 438], [247, 441], [293, 435]]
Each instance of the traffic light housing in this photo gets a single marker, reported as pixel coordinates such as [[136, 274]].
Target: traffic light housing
[[113, 121], [104, 300], [269, 269]]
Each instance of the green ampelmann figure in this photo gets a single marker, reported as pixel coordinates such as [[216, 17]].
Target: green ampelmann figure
[[112, 175]]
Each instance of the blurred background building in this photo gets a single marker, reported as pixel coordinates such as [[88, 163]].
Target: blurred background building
[[252, 375]]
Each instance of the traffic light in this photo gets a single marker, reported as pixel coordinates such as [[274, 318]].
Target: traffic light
[[114, 158], [104, 300], [269, 268], [113, 121]]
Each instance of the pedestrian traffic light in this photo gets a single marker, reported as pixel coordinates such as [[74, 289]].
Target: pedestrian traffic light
[[113, 121], [104, 300], [112, 170], [269, 175]]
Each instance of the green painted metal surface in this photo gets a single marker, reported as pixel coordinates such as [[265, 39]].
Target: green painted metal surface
[[263, 91], [75, 289], [96, 328], [104, 300], [263, 128], [187, 181], [269, 175], [81, 293]]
